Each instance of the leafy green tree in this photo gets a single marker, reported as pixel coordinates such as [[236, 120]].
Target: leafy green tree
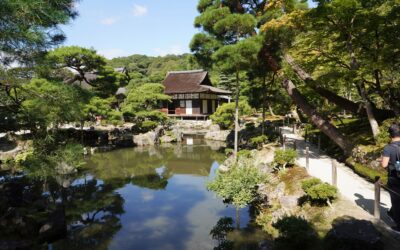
[[28, 28], [283, 158], [142, 105], [224, 116], [49, 104], [99, 106], [82, 60], [238, 185]]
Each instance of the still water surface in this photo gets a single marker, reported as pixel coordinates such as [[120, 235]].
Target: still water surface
[[149, 198]]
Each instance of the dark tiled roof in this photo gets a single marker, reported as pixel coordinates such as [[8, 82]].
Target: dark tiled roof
[[193, 81]]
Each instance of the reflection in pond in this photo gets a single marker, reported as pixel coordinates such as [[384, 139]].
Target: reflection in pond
[[139, 198]]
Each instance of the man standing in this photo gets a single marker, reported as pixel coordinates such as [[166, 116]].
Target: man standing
[[391, 160]]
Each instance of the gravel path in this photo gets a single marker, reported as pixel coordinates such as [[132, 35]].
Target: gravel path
[[350, 185]]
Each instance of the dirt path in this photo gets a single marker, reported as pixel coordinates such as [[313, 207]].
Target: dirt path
[[350, 185]]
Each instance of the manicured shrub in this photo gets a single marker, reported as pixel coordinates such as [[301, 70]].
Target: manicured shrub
[[319, 192], [225, 114], [244, 153], [322, 192], [238, 185], [306, 184], [258, 141], [284, 158]]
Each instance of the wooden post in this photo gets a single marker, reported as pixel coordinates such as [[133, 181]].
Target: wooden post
[[334, 173], [319, 143], [284, 142], [294, 145], [377, 201], [307, 158], [294, 128]]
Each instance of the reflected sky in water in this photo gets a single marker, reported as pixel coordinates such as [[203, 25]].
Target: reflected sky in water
[[146, 198]]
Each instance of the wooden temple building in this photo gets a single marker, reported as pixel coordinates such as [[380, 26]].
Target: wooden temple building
[[193, 95]]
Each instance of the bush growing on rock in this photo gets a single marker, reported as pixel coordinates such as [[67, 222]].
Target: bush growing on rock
[[306, 184], [258, 141], [319, 192], [238, 185], [284, 158], [244, 153], [225, 114]]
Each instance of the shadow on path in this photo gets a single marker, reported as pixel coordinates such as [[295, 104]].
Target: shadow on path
[[368, 205]]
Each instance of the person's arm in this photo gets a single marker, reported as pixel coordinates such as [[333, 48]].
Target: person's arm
[[385, 161], [385, 157]]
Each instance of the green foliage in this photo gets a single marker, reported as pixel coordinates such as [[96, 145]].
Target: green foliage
[[29, 28], [237, 57], [319, 192], [51, 103], [307, 184], [142, 69], [224, 116], [258, 141], [238, 185], [142, 103], [244, 153], [44, 161], [77, 58], [99, 106], [383, 136], [220, 232], [285, 157], [84, 61], [295, 233]]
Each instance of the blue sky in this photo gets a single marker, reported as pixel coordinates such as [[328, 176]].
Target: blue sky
[[125, 27]]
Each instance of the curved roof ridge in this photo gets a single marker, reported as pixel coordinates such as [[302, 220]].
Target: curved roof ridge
[[186, 71]]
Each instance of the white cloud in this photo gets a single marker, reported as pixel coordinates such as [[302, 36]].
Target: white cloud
[[172, 50], [111, 53], [109, 20], [139, 10]]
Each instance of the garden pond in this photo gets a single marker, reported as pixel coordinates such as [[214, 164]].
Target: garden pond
[[133, 198]]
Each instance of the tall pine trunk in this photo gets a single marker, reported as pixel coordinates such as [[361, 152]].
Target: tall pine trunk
[[324, 125], [236, 140]]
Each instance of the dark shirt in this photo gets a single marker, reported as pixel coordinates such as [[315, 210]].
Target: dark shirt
[[392, 152]]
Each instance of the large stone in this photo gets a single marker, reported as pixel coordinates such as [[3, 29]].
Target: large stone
[[167, 139], [288, 203], [278, 192], [65, 169], [145, 139], [149, 138], [264, 156], [350, 233], [221, 135], [214, 127]]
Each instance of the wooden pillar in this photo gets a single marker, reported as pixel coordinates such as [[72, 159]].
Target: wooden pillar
[[377, 201], [334, 173], [307, 158], [284, 142]]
